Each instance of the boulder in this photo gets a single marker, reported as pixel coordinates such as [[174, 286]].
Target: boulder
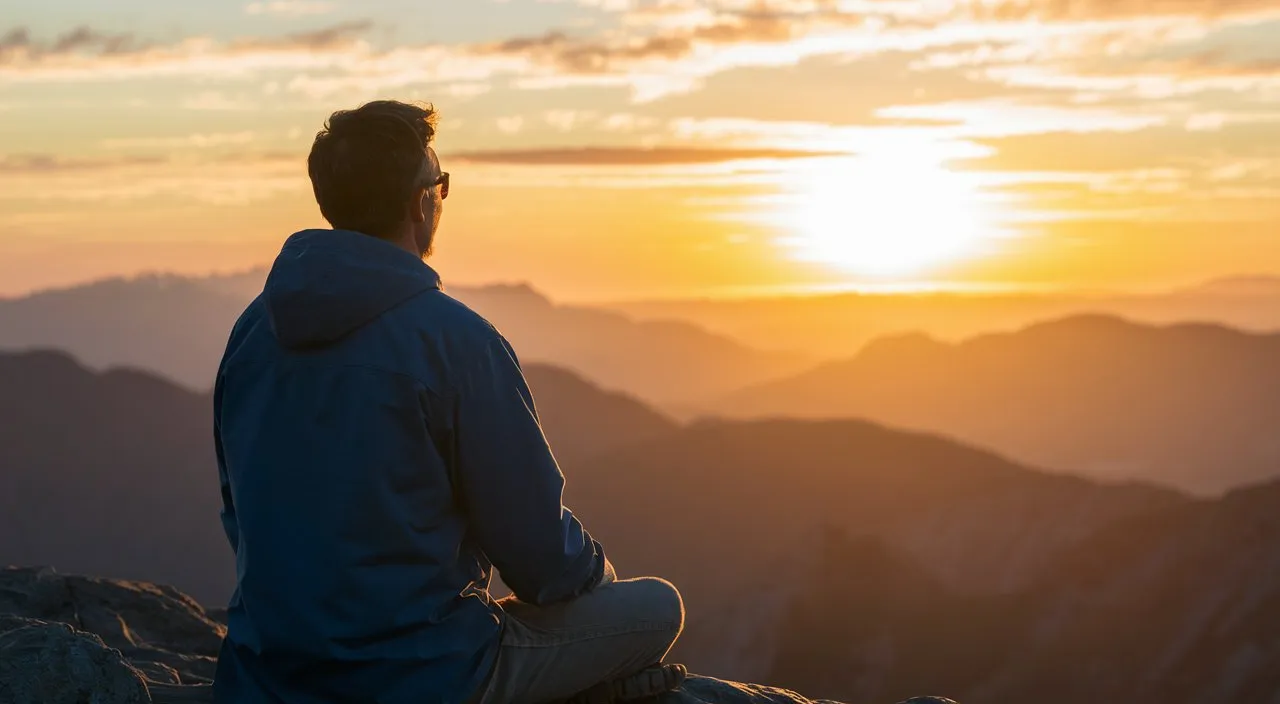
[[53, 663], [162, 631], [81, 640], [708, 690]]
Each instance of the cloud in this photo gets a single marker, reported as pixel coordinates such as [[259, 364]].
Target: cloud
[[18, 42], [315, 64], [35, 164], [588, 56], [1072, 10], [567, 120], [343, 34], [289, 8], [937, 142], [661, 47], [85, 46], [628, 156], [14, 39], [216, 101], [1167, 146], [219, 181], [997, 117], [756, 23], [1214, 63], [1149, 84], [511, 124], [195, 141]]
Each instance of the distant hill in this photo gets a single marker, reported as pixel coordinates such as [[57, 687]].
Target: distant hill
[[1244, 287], [831, 325], [1188, 600], [660, 361], [97, 460], [1192, 406], [173, 326], [108, 473], [1178, 606], [178, 327], [734, 512], [580, 419]]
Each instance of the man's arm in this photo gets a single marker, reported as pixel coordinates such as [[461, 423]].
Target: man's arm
[[512, 487], [228, 512]]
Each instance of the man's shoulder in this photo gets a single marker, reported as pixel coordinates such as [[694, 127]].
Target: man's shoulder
[[251, 318], [445, 316], [451, 337]]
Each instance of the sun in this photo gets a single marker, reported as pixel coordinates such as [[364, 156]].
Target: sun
[[885, 216]]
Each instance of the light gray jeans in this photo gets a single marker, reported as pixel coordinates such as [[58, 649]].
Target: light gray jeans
[[554, 652]]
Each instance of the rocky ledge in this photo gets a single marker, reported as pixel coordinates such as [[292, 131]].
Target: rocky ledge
[[82, 640]]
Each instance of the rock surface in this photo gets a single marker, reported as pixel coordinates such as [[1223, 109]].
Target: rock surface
[[52, 663], [80, 640], [161, 631]]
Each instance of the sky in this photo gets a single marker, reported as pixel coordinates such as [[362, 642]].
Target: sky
[[622, 149]]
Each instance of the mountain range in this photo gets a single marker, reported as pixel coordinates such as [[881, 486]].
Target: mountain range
[[1176, 606], [1189, 405], [836, 557], [833, 325], [178, 326], [735, 513]]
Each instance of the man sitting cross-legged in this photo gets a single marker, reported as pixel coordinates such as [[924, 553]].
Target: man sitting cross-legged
[[380, 453]]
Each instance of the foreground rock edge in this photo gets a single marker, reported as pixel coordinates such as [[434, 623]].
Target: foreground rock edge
[[57, 634]]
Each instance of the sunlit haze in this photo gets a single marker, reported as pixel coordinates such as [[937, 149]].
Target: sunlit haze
[[639, 149]]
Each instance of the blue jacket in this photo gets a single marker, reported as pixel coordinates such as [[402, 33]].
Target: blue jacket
[[379, 450]]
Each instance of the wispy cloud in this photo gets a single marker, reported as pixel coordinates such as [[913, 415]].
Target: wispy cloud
[[660, 48], [336, 36], [289, 8], [36, 164], [17, 43], [987, 118], [1058, 10], [512, 124], [637, 156], [192, 141], [127, 178]]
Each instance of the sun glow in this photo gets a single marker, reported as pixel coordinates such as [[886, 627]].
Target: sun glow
[[886, 215]]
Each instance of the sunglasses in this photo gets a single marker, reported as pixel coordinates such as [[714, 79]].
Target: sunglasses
[[443, 183]]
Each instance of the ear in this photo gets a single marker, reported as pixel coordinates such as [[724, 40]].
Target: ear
[[418, 205]]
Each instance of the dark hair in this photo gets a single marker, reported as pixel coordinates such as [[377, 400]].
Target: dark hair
[[366, 163]]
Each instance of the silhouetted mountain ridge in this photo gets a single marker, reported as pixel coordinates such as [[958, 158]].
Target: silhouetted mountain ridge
[[1180, 605], [178, 326], [1191, 405], [733, 512], [833, 325]]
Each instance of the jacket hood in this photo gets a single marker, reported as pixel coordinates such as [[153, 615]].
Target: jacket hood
[[327, 283]]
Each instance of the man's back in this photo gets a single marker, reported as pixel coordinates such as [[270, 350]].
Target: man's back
[[367, 426]]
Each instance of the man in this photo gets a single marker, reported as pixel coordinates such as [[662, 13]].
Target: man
[[379, 453]]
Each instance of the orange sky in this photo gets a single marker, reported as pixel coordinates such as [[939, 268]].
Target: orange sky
[[798, 142]]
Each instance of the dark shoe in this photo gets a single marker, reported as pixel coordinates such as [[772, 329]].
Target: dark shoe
[[645, 684]]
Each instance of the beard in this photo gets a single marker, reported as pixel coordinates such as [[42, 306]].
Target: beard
[[426, 241]]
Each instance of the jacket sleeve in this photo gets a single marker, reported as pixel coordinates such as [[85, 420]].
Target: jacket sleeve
[[228, 513], [512, 488]]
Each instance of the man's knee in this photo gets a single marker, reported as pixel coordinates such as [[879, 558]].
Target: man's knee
[[658, 605], [670, 603], [658, 600]]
